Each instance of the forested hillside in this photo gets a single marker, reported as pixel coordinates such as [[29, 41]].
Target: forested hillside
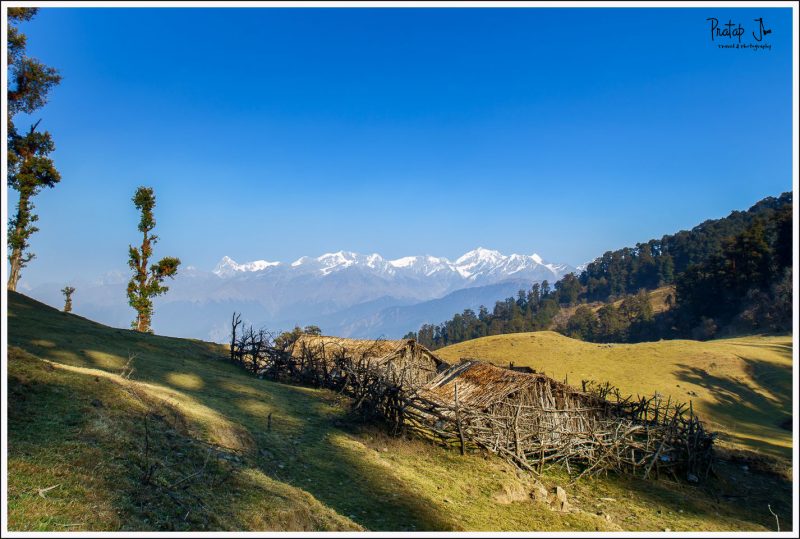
[[731, 275]]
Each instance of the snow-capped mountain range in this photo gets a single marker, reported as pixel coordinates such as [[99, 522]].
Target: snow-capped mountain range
[[345, 293], [473, 266]]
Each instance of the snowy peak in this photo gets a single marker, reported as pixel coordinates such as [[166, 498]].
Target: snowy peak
[[479, 255], [478, 261], [228, 266], [488, 264], [340, 260], [421, 265]]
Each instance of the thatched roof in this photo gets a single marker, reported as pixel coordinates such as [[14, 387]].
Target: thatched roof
[[405, 362], [411, 350], [336, 345], [481, 384]]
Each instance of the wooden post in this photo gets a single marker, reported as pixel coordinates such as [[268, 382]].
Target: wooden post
[[517, 448], [458, 417], [661, 445], [541, 458]]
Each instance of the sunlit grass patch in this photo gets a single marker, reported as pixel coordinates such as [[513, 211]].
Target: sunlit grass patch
[[185, 380], [105, 360]]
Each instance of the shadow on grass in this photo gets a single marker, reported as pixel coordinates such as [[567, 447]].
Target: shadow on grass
[[777, 379], [305, 449], [783, 349], [751, 415], [86, 437], [731, 493]]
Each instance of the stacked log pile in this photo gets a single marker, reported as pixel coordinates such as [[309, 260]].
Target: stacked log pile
[[378, 375], [531, 419]]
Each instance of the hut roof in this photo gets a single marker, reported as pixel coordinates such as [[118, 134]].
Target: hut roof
[[416, 350], [335, 345], [405, 363], [373, 348], [481, 384]]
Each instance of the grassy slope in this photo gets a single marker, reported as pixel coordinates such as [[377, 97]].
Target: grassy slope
[[657, 297], [741, 387], [76, 425]]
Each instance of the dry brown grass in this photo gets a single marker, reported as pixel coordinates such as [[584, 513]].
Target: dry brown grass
[[335, 345]]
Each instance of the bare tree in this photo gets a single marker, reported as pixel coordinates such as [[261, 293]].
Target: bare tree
[[236, 320]]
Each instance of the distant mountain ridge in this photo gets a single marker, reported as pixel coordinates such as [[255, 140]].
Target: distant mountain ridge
[[473, 265], [346, 293]]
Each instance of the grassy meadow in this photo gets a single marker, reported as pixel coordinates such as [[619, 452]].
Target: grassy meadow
[[176, 438]]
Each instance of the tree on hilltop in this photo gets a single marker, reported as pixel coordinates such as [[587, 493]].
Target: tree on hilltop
[[68, 291], [29, 167], [146, 282]]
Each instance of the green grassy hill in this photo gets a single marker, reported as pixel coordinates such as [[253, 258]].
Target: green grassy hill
[[177, 438], [740, 387]]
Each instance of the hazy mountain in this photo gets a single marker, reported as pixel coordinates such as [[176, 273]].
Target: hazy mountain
[[394, 321], [345, 293]]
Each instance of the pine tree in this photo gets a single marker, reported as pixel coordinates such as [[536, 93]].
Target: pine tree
[[29, 167], [568, 288], [582, 324], [145, 285], [666, 270], [68, 291], [545, 289]]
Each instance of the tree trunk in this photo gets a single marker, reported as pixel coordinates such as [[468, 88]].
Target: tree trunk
[[16, 253], [142, 323], [16, 267], [142, 318]]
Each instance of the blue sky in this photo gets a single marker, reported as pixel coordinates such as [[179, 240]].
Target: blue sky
[[276, 133]]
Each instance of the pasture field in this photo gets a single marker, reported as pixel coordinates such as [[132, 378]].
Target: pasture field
[[177, 438]]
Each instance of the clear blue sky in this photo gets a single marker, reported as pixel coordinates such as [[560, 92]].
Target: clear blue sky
[[276, 133]]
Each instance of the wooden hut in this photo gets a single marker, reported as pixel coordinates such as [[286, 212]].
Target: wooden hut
[[525, 417], [400, 362], [411, 365], [531, 418], [329, 347], [380, 373]]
